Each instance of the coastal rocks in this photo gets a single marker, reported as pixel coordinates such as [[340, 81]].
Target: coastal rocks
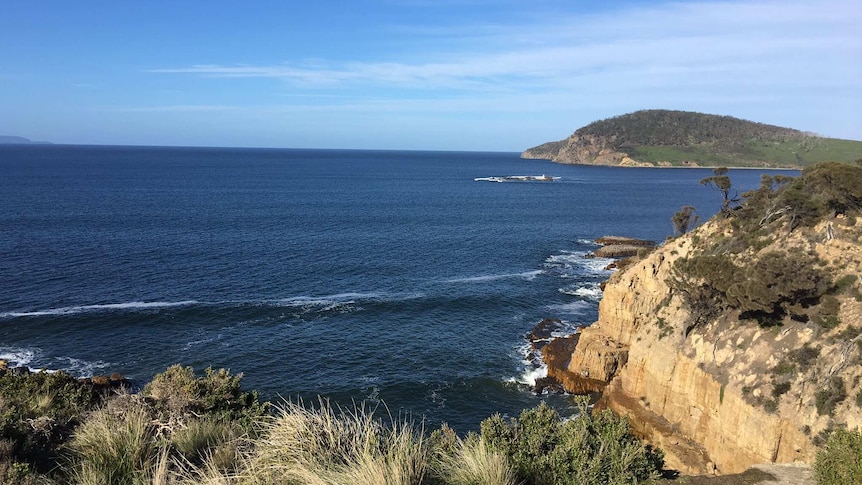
[[114, 381], [727, 394], [620, 247]]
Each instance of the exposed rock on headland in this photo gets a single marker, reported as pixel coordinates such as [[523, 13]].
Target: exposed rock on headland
[[725, 372], [620, 247]]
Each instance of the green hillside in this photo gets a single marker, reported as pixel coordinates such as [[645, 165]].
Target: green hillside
[[681, 138]]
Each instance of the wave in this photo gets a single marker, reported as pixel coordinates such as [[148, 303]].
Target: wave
[[17, 357], [592, 292], [33, 359], [573, 308], [570, 264], [70, 310], [527, 275]]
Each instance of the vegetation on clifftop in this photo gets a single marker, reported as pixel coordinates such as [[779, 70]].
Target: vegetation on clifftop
[[737, 270], [184, 428]]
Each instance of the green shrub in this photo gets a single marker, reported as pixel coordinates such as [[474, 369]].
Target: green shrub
[[178, 394], [840, 460], [780, 389], [38, 412], [830, 396], [589, 449]]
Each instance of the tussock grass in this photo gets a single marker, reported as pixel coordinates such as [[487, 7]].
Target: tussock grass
[[474, 463], [111, 448], [331, 446]]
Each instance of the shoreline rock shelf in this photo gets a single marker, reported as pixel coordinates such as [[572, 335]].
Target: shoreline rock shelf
[[620, 247]]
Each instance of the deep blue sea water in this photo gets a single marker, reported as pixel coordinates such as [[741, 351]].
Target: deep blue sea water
[[357, 275]]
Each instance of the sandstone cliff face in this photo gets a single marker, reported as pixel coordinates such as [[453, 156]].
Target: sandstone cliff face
[[730, 393], [584, 150]]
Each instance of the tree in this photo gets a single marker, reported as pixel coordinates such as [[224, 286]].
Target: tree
[[685, 219], [720, 181]]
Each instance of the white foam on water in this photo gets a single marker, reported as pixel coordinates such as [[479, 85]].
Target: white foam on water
[[130, 306], [587, 241], [33, 359], [81, 368], [17, 357], [592, 292], [597, 265], [527, 275], [573, 308], [530, 375]]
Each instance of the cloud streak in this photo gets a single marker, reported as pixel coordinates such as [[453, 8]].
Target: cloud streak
[[676, 42]]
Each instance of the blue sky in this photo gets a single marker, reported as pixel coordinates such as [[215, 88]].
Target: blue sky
[[416, 74]]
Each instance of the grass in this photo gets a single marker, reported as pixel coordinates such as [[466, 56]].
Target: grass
[[795, 153]]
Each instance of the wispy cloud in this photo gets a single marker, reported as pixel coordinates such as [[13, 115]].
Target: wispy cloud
[[790, 42], [175, 109]]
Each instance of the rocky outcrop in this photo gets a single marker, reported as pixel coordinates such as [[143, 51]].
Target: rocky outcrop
[[726, 394], [620, 247]]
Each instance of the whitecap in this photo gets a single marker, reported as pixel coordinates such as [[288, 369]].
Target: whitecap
[[592, 292], [527, 275], [573, 308], [530, 375], [17, 356], [70, 310]]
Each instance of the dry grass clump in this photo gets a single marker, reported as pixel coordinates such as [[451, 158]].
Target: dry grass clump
[[328, 446], [474, 462], [110, 448]]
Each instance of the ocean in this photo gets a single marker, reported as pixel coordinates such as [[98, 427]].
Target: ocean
[[385, 276]]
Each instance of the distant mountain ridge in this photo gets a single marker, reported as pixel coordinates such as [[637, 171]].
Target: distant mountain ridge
[[666, 138], [20, 140]]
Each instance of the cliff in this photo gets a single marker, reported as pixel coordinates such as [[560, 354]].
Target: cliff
[[666, 138], [732, 346]]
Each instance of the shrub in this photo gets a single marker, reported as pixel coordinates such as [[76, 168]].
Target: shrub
[[589, 449], [840, 460], [38, 412], [178, 394], [827, 398], [780, 389]]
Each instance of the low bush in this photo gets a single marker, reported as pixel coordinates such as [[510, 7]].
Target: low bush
[[830, 396], [840, 460], [592, 448], [38, 412]]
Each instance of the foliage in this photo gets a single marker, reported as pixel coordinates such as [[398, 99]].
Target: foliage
[[720, 181], [737, 272], [771, 287], [840, 460], [666, 127], [38, 412], [178, 394], [684, 219], [593, 448], [830, 396]]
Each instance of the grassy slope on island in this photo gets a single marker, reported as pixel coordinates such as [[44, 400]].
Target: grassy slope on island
[[681, 138]]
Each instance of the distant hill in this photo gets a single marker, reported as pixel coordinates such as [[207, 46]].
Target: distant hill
[[20, 140], [667, 138]]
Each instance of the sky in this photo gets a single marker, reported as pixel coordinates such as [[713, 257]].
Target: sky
[[416, 74]]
